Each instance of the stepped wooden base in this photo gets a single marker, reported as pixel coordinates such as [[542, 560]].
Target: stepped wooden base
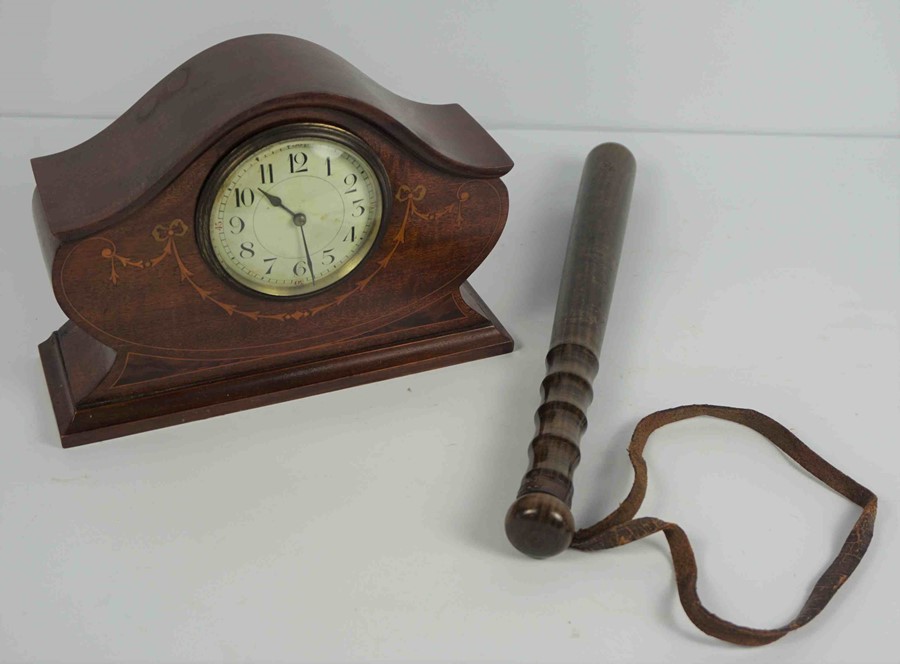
[[91, 403]]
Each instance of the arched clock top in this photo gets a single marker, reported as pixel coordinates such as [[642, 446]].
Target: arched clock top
[[98, 183]]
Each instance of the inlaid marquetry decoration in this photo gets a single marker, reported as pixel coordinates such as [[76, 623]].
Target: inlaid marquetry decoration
[[167, 234]]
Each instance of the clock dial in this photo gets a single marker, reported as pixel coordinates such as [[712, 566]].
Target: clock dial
[[295, 212]]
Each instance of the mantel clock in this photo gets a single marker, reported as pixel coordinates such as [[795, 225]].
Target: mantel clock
[[266, 223]]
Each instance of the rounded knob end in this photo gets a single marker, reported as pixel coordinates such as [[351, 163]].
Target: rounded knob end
[[540, 525]]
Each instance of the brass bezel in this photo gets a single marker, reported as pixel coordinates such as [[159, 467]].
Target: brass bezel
[[259, 141]]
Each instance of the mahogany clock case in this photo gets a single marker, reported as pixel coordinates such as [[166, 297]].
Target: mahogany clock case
[[157, 335]]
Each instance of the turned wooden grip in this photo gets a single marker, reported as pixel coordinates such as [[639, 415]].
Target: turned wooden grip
[[540, 521]]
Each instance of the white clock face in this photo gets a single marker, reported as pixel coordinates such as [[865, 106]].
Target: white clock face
[[297, 214]]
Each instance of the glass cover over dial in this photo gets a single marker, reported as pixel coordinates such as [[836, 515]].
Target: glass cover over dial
[[295, 213]]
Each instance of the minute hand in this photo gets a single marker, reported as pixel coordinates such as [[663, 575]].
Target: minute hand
[[299, 222]]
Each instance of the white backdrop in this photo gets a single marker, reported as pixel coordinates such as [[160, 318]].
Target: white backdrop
[[761, 268], [795, 67]]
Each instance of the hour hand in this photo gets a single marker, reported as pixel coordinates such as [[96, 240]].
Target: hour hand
[[275, 201]]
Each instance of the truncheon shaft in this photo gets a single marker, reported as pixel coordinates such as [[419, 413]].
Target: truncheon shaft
[[539, 523]]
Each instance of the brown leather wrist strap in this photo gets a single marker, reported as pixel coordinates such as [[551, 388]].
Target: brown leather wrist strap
[[621, 528]]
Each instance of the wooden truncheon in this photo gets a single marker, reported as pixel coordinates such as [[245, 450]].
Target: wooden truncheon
[[540, 523]]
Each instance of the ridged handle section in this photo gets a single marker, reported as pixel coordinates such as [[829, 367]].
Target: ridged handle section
[[560, 421], [540, 521]]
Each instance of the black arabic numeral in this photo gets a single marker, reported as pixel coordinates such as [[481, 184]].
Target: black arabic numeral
[[237, 225], [298, 162], [266, 173], [247, 250], [243, 197], [272, 261], [350, 181]]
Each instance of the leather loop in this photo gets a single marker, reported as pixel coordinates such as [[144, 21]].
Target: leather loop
[[621, 528]]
